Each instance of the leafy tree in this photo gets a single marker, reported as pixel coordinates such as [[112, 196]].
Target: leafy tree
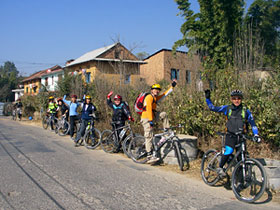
[[264, 16], [211, 32], [8, 80]]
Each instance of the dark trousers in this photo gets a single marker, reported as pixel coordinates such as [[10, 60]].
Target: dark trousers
[[82, 130], [231, 141], [72, 124]]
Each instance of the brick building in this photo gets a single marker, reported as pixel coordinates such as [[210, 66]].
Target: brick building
[[164, 65]]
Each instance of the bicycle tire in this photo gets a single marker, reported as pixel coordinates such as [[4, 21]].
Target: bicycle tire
[[178, 155], [208, 172], [45, 123], [137, 150], [253, 180], [64, 129], [107, 141], [92, 140]]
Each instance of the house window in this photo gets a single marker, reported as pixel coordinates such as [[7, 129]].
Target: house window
[[127, 79], [87, 77], [46, 81], [117, 54], [26, 90], [34, 89], [174, 74], [188, 77]]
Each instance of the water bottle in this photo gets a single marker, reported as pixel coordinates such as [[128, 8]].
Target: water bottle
[[161, 141], [122, 133]]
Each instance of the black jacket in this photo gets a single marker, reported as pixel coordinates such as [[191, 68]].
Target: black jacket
[[120, 112]]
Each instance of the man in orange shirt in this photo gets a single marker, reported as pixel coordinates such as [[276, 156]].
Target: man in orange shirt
[[149, 115]]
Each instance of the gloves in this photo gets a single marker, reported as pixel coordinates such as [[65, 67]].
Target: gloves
[[207, 93], [151, 123], [257, 138], [174, 83], [109, 95], [131, 119]]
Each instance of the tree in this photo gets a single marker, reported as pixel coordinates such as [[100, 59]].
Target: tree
[[264, 16], [8, 80], [211, 32], [142, 55]]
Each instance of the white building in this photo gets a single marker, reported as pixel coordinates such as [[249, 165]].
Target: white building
[[18, 93], [51, 77]]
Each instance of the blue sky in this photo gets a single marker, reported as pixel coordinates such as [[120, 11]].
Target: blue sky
[[37, 34]]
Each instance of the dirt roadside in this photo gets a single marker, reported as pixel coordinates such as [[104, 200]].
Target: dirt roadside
[[192, 172]]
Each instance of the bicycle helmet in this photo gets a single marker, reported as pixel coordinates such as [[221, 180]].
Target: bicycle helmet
[[156, 86], [51, 98], [236, 93], [74, 96], [59, 99], [117, 97], [88, 97]]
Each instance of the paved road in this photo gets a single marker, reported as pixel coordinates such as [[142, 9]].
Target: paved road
[[40, 170]]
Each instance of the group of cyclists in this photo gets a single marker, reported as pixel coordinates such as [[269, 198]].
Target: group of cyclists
[[238, 116]]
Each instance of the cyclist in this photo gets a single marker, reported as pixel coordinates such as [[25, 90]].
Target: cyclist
[[63, 108], [238, 116], [19, 106], [52, 109], [73, 106], [87, 110], [121, 112], [150, 115]]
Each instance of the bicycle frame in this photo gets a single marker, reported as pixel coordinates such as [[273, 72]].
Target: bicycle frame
[[125, 127]]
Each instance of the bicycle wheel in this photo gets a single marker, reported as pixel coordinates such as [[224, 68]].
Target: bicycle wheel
[[251, 187], [125, 145], [45, 122], [92, 139], [107, 141], [178, 155], [64, 128], [137, 150], [209, 164]]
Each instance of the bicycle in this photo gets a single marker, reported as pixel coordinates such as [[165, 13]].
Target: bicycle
[[111, 140], [63, 126], [49, 120], [138, 151], [92, 136], [249, 177]]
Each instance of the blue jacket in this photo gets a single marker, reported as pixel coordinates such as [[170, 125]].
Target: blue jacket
[[224, 110], [72, 107], [86, 112]]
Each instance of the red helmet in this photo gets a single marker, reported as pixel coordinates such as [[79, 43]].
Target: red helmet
[[19, 99], [117, 97], [59, 99], [74, 96]]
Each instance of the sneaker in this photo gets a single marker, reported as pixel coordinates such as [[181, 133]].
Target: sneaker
[[221, 172], [152, 159]]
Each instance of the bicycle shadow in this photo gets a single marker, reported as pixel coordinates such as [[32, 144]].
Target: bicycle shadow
[[265, 198], [167, 152]]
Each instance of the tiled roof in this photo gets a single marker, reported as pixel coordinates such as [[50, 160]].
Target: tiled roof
[[52, 70], [38, 74]]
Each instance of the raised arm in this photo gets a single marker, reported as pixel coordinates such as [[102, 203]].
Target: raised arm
[[66, 101], [167, 92]]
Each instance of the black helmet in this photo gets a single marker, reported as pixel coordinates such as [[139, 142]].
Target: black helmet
[[236, 93]]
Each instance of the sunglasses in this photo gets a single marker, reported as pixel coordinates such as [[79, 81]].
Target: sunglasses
[[236, 98]]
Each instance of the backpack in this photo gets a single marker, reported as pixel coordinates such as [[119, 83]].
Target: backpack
[[243, 115], [139, 103]]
